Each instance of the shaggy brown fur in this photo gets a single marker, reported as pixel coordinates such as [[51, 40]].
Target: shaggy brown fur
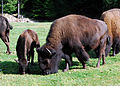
[[26, 43], [76, 33], [4, 32], [112, 19]]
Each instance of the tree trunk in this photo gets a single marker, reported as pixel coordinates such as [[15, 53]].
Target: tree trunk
[[18, 8], [2, 7]]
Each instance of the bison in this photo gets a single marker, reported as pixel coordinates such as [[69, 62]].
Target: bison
[[4, 32], [112, 19], [72, 34], [26, 43]]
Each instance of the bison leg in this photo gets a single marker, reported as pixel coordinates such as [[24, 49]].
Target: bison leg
[[103, 59], [114, 48], [101, 53], [82, 55], [108, 46], [68, 62], [28, 68], [117, 50], [28, 56], [28, 60], [66, 67], [83, 63], [99, 59], [5, 39], [32, 59]]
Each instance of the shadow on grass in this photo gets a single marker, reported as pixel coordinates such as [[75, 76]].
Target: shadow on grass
[[78, 65], [75, 65], [8, 67]]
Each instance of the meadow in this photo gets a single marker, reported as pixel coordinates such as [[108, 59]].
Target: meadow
[[107, 75]]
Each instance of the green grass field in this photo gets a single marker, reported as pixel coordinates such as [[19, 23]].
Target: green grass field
[[107, 75]]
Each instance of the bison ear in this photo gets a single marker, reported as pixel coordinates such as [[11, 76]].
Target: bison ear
[[17, 60]]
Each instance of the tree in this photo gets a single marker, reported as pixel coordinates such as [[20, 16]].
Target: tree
[[52, 9], [10, 6], [108, 4], [38, 9]]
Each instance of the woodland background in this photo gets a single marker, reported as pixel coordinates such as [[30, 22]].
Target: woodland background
[[52, 9]]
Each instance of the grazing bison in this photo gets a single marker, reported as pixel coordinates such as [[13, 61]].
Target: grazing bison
[[112, 19], [26, 43], [4, 32], [72, 34]]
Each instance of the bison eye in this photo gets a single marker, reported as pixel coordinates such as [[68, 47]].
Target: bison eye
[[46, 62]]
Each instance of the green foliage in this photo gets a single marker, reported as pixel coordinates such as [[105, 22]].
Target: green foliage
[[108, 4], [10, 6], [56, 8], [107, 75], [52, 9], [39, 8]]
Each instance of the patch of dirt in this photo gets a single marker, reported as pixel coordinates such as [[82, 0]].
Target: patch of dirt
[[12, 18]]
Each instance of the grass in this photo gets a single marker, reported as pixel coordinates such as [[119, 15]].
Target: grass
[[107, 75]]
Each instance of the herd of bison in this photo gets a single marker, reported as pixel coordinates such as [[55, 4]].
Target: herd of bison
[[67, 35]]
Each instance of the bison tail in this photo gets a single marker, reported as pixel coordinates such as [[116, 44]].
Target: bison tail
[[8, 24]]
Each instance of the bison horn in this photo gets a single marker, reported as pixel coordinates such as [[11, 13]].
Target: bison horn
[[49, 51]]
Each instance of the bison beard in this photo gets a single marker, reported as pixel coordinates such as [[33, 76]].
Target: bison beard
[[4, 32], [72, 34]]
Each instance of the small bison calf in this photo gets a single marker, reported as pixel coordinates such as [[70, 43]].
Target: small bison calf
[[26, 43]]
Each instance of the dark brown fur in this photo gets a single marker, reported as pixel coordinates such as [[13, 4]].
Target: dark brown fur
[[4, 32], [76, 33], [26, 43]]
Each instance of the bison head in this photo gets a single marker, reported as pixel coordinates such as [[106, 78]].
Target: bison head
[[48, 59], [23, 63]]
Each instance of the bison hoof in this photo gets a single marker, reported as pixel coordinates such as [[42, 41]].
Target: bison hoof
[[97, 66], [112, 55], [23, 73], [8, 52], [65, 70], [104, 63], [84, 67]]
